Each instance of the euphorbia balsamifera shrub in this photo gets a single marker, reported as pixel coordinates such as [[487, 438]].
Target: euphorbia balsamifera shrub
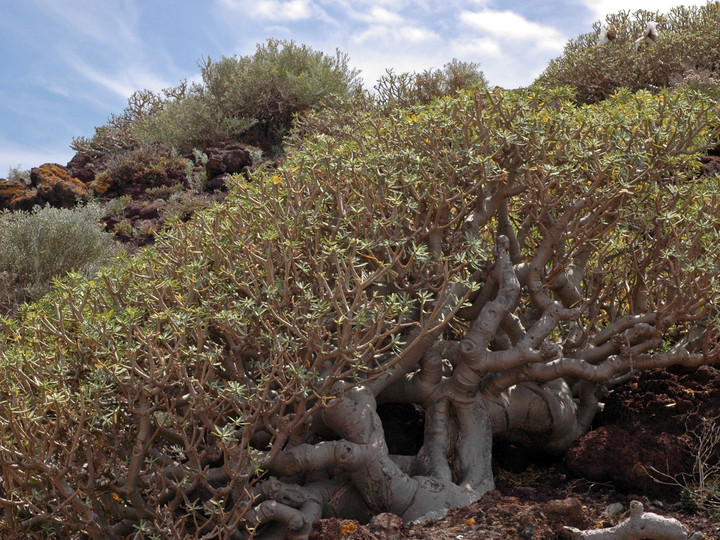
[[495, 258], [687, 43]]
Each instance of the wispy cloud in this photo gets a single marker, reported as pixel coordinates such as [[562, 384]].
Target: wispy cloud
[[272, 10], [123, 80], [101, 22], [103, 46], [509, 25]]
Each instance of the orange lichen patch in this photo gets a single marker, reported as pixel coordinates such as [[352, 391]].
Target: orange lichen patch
[[348, 528], [101, 184], [50, 174], [49, 171], [11, 188], [469, 522], [23, 201]]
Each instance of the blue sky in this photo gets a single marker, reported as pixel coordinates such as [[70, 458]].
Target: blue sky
[[66, 65]]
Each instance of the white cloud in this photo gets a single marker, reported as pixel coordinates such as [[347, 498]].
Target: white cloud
[[511, 26], [371, 12], [381, 15], [600, 8], [384, 34], [482, 47], [416, 35]]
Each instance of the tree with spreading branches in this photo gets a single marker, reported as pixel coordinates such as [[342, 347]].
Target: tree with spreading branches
[[497, 259]]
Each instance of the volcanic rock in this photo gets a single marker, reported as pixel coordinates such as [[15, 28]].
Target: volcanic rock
[[56, 187], [82, 167], [228, 160], [16, 195], [567, 511], [632, 461]]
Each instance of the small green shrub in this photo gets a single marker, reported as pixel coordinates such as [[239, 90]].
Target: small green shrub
[[190, 122], [200, 157], [117, 205], [182, 206], [124, 228], [117, 135], [150, 165], [41, 244], [16, 173], [164, 192], [197, 175]]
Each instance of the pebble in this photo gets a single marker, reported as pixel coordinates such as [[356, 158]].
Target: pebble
[[614, 509]]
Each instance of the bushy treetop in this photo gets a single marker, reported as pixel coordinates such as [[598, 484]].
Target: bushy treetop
[[686, 46], [265, 89]]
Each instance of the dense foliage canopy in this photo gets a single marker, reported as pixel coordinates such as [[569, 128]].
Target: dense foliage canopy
[[684, 54]]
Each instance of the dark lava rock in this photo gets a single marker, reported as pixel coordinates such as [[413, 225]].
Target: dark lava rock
[[631, 460], [228, 160], [710, 165], [82, 167], [144, 209], [218, 183]]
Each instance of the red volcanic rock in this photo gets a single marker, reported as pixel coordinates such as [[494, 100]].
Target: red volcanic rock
[[144, 209], [566, 511], [388, 525], [631, 460], [56, 187], [82, 167], [229, 160]]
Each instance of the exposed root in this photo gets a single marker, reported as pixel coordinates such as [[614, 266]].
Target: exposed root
[[640, 525]]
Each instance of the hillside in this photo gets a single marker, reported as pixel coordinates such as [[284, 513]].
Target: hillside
[[333, 305]]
